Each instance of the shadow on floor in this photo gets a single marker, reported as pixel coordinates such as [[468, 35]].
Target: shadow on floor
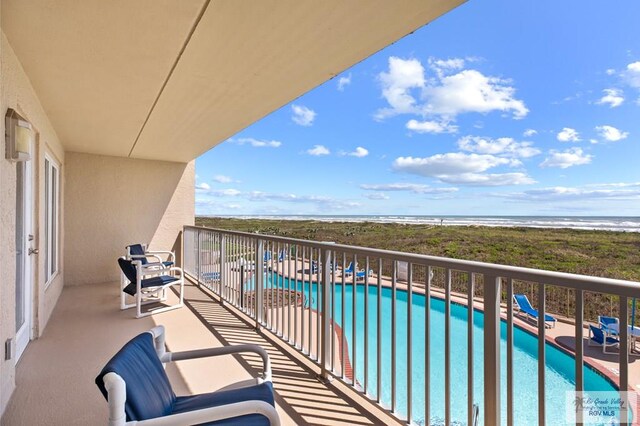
[[298, 392]]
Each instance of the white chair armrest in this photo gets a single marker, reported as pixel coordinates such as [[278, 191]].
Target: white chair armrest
[[221, 412], [224, 350], [171, 255]]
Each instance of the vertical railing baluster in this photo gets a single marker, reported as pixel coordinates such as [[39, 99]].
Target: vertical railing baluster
[[288, 269], [394, 278], [541, 354], [304, 301], [427, 346], [310, 319], [379, 332], [354, 319], [334, 265], [319, 301], [343, 351], [624, 358], [409, 343], [510, 352], [275, 279], [326, 332], [447, 348], [295, 310], [491, 350], [579, 351], [259, 282], [470, 311], [366, 326]]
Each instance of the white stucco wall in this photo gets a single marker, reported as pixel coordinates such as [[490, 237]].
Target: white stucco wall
[[17, 93], [112, 201]]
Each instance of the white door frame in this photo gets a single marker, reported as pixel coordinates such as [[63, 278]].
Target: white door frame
[[24, 256]]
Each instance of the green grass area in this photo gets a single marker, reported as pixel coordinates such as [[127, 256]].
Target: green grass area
[[597, 253]]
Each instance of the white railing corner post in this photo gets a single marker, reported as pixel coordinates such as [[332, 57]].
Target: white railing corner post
[[327, 335], [259, 283], [492, 350]]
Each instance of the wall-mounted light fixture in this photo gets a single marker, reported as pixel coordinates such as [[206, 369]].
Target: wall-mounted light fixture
[[18, 135]]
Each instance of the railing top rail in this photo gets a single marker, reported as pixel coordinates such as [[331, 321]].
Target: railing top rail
[[562, 279]]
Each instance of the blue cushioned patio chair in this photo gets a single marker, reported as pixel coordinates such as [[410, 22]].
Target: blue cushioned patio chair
[[140, 252], [148, 285], [600, 338], [610, 325], [148, 259], [522, 304], [138, 390]]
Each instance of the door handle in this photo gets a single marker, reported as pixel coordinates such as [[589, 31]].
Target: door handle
[[33, 251]]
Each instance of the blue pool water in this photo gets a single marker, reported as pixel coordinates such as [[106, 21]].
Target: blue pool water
[[560, 374]]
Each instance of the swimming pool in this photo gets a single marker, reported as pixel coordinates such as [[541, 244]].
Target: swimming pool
[[559, 373]]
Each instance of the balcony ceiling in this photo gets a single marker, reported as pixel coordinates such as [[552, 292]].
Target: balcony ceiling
[[170, 79]]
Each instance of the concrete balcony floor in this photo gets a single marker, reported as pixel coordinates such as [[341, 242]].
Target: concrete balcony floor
[[55, 377]]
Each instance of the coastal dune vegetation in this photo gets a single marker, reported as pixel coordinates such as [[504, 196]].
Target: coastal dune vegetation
[[597, 253]]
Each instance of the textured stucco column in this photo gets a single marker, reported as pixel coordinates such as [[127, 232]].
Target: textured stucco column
[[112, 201]]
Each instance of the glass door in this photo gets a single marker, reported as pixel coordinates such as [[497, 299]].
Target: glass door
[[24, 251]]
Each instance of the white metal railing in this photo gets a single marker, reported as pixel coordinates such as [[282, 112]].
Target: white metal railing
[[303, 292]]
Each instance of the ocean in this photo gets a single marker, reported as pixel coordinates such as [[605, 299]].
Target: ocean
[[604, 223]]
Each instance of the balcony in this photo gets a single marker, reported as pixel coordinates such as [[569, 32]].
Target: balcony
[[273, 291]]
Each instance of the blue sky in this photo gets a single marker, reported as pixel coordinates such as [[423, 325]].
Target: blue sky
[[496, 108]]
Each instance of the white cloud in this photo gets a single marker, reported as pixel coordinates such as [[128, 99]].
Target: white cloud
[[500, 146], [302, 115], [359, 152], [377, 196], [442, 66], [471, 91], [460, 168], [565, 159], [431, 126], [451, 92], [225, 192], [319, 201], [587, 192], [318, 150], [343, 82], [611, 134], [222, 179], [568, 135], [202, 186], [529, 132], [612, 97], [610, 71], [631, 74], [403, 75], [411, 187], [258, 143]]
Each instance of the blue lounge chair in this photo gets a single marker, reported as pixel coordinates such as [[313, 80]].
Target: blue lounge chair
[[523, 305], [600, 338], [349, 269], [361, 274], [137, 388]]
